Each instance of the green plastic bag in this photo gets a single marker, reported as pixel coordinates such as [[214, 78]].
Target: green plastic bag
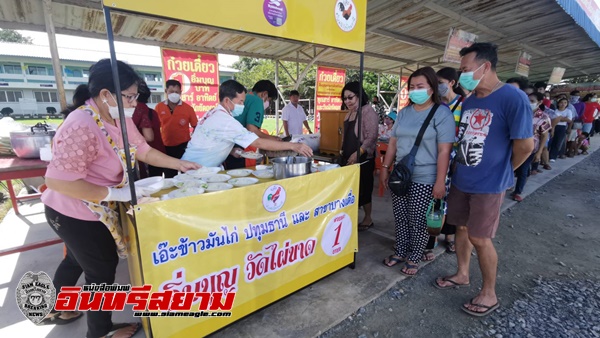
[[435, 216]]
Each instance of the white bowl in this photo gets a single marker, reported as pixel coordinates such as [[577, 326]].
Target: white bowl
[[150, 185], [210, 187], [264, 167], [265, 173], [203, 171], [185, 192], [239, 172], [191, 184], [243, 181], [217, 178]]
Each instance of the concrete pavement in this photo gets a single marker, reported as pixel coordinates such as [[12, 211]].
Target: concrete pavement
[[306, 313]]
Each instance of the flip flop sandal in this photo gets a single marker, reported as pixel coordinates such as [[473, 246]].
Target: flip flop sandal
[[392, 259], [428, 256], [489, 309], [365, 227], [454, 285], [409, 266], [117, 327], [56, 320]]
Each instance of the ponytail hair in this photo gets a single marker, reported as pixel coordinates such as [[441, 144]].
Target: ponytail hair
[[101, 78], [82, 94]]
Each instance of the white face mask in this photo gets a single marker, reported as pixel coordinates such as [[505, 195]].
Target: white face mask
[[114, 111], [266, 104], [174, 97], [534, 106], [594, 99], [238, 109]]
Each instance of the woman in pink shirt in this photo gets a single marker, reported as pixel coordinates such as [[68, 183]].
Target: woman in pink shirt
[[86, 177]]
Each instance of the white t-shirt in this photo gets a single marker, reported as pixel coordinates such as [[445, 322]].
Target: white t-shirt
[[216, 134], [295, 117], [565, 113]]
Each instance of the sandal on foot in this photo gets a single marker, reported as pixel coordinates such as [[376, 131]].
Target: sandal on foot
[[56, 320], [393, 260], [489, 309], [451, 247], [364, 227], [408, 266], [117, 327], [454, 285], [428, 256]]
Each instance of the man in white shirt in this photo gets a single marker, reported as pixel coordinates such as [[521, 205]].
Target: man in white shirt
[[218, 131], [293, 116]]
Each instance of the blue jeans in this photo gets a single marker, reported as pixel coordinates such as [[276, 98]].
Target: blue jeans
[[587, 127], [522, 174]]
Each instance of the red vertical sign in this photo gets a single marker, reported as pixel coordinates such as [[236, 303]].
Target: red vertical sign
[[403, 94], [198, 74], [328, 91]]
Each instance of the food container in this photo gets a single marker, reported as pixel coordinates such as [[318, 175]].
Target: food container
[[27, 143], [291, 166]]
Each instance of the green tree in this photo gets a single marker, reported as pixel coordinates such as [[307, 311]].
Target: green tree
[[9, 35], [252, 70]]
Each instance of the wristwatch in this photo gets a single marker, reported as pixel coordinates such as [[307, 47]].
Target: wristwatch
[[385, 166]]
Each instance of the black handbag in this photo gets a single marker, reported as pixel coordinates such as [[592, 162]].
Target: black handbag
[[401, 175]]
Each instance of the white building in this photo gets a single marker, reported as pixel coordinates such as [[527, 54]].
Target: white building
[[27, 81]]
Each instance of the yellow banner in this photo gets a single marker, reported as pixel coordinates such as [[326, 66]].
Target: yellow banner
[[337, 23], [262, 242]]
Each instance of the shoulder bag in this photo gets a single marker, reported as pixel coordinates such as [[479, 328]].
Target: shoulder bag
[[401, 176]]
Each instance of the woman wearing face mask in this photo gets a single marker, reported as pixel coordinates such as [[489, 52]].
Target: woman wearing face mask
[[368, 142], [541, 126], [431, 166], [86, 176], [453, 96], [561, 119], [218, 131], [592, 107]]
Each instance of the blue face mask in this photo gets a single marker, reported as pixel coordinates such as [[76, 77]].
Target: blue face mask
[[238, 109], [418, 96], [467, 81]]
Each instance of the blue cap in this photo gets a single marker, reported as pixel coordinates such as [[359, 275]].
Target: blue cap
[[392, 115]]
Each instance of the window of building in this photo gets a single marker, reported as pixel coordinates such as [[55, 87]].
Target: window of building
[[11, 69], [37, 70], [46, 96], [73, 72], [155, 98], [152, 77], [85, 73], [10, 95]]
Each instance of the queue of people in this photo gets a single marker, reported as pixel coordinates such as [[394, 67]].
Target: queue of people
[[476, 131], [480, 131]]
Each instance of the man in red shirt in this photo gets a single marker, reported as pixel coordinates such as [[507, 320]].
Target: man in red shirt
[[176, 117]]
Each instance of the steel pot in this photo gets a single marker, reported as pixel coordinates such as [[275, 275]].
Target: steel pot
[[27, 143], [291, 166]]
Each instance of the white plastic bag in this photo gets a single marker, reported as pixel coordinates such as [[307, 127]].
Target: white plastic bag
[[311, 140]]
